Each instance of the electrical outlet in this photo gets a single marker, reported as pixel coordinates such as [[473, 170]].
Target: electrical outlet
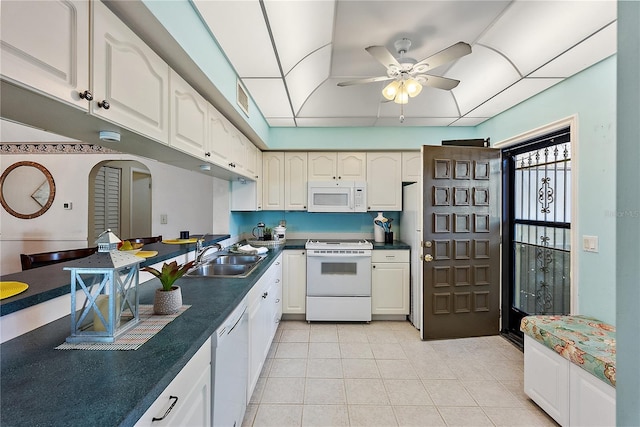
[[163, 219]]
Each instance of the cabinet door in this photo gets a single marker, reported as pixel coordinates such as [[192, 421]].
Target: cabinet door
[[295, 181], [189, 117], [188, 395], [322, 166], [273, 182], [294, 281], [384, 181], [275, 296], [45, 45], [352, 166], [251, 154], [219, 147], [130, 82], [390, 288], [238, 152], [411, 166]]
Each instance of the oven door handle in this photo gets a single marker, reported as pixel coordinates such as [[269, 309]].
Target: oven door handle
[[329, 255]]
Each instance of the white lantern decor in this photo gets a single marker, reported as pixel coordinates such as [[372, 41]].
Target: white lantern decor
[[108, 280]]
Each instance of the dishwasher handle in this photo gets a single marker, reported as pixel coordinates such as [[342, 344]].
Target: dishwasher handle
[[237, 320]]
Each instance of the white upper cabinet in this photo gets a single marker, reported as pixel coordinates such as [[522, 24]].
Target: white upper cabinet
[[189, 118], [327, 166], [411, 166], [47, 47], [352, 166], [273, 180], [295, 181], [250, 168], [130, 82], [219, 147], [384, 181]]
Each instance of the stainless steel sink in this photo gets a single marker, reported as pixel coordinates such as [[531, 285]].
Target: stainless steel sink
[[236, 259], [227, 265]]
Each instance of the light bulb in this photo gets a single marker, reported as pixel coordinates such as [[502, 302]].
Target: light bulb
[[391, 90], [413, 87], [403, 96]]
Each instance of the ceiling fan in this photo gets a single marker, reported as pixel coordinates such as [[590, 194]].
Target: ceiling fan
[[409, 75]]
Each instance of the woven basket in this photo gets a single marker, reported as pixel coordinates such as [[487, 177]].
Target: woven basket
[[266, 243]]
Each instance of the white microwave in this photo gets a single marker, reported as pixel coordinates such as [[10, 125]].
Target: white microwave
[[337, 196]]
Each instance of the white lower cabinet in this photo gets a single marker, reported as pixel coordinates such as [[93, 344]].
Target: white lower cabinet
[[390, 282], [294, 281], [187, 399], [265, 310], [568, 393]]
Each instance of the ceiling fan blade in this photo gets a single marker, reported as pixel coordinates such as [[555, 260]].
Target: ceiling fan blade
[[437, 81], [383, 56], [362, 81], [449, 54]]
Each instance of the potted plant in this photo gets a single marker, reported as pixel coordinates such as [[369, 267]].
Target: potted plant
[[168, 299]]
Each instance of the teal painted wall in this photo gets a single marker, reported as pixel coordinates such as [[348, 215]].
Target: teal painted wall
[[591, 95], [304, 222], [370, 138], [628, 211]]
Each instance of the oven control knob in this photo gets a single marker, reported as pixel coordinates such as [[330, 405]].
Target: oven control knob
[[428, 258]]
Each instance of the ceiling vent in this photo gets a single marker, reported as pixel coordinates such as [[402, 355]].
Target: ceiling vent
[[242, 98]]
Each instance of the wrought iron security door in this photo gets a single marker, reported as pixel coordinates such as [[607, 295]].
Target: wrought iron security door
[[538, 210]]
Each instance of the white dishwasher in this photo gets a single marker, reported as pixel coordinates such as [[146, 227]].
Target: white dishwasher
[[230, 369]]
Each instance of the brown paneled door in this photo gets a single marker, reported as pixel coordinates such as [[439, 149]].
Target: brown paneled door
[[461, 238]]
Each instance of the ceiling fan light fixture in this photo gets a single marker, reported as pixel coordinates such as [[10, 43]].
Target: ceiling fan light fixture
[[403, 95], [413, 87], [391, 90]]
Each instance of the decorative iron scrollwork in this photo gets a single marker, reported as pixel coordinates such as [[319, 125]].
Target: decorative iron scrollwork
[[545, 195]]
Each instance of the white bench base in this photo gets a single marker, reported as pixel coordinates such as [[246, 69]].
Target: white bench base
[[568, 393]]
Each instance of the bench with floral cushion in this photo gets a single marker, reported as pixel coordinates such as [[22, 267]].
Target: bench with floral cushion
[[584, 342]]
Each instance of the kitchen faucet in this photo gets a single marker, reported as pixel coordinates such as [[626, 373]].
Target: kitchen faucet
[[200, 251]]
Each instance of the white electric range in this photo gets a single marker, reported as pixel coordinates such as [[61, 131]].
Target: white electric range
[[338, 280]]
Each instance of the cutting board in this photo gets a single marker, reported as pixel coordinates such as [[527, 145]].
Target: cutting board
[[9, 289]]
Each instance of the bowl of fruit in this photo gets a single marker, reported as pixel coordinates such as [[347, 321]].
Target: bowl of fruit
[[130, 247]]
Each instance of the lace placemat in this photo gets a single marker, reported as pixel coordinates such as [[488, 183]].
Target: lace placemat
[[149, 325]]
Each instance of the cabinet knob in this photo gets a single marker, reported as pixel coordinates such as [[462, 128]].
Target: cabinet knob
[[207, 154], [333, 177], [86, 95], [104, 104], [277, 280], [278, 300], [373, 266], [265, 295]]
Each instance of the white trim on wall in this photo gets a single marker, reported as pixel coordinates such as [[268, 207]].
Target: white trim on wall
[[572, 123]]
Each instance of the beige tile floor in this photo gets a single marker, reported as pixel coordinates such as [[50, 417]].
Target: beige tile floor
[[382, 374]]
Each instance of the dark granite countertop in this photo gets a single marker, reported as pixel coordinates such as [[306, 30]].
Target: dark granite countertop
[[44, 386]]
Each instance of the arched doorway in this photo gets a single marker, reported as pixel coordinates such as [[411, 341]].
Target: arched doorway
[[119, 199]]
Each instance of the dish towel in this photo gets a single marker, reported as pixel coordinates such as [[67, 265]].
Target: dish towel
[[253, 250]]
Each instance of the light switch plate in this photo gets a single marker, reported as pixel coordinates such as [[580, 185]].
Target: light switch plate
[[163, 218], [67, 205], [590, 243]]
